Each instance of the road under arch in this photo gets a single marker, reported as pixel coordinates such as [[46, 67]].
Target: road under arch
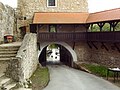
[[67, 54]]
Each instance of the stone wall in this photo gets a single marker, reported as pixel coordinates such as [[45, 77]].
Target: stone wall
[[13, 70], [28, 55], [6, 21], [28, 7], [110, 58]]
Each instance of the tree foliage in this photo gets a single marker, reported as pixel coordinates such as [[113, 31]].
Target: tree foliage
[[117, 28], [106, 27]]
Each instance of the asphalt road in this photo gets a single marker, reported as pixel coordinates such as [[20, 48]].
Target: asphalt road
[[65, 78]]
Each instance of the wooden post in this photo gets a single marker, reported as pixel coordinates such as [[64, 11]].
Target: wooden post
[[101, 26], [89, 45], [105, 46], [74, 37], [73, 45], [87, 27], [112, 25], [115, 44], [94, 45], [91, 27]]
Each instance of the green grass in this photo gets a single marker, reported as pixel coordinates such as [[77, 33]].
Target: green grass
[[97, 69], [40, 78]]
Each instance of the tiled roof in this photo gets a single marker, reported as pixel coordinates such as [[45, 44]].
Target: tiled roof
[[108, 15], [60, 18], [75, 18]]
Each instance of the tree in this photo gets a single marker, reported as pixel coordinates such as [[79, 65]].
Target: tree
[[106, 27], [117, 28], [96, 28]]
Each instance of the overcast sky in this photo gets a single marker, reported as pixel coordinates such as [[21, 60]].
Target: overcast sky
[[94, 5], [100, 5]]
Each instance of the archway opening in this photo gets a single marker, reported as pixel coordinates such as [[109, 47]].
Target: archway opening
[[55, 54]]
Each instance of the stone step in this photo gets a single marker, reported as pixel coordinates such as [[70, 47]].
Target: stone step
[[1, 75], [5, 81], [7, 55], [13, 44], [24, 89], [9, 49], [7, 59], [8, 52], [10, 86]]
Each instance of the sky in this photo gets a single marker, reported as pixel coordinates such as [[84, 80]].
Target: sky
[[12, 3], [100, 5], [93, 5]]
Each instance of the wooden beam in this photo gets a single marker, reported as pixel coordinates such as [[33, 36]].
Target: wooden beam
[[105, 46], [94, 45], [58, 26], [115, 23], [101, 25], [37, 28], [87, 27], [91, 27], [89, 45], [112, 25], [73, 45], [75, 26], [38, 45], [115, 44]]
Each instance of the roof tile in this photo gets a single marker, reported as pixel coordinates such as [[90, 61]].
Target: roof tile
[[75, 18]]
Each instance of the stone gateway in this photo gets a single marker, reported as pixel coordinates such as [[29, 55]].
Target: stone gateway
[[39, 23]]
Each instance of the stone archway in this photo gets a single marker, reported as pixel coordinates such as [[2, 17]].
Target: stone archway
[[70, 54]]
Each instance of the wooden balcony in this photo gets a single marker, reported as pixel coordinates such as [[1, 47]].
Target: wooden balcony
[[103, 36], [67, 37], [80, 36]]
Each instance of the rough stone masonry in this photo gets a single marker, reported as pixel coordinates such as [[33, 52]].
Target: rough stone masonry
[[6, 21], [28, 54], [101, 56], [28, 7]]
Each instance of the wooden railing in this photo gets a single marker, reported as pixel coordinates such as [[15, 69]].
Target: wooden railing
[[103, 36], [70, 37], [80, 36]]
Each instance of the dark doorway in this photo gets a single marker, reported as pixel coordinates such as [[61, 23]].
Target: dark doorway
[[64, 56], [42, 57]]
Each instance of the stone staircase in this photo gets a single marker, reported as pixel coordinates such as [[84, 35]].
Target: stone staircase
[[7, 51], [7, 83]]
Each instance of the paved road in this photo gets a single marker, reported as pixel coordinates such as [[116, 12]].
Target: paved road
[[65, 78]]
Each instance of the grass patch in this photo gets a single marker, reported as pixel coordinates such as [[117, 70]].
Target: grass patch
[[97, 69], [40, 78]]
